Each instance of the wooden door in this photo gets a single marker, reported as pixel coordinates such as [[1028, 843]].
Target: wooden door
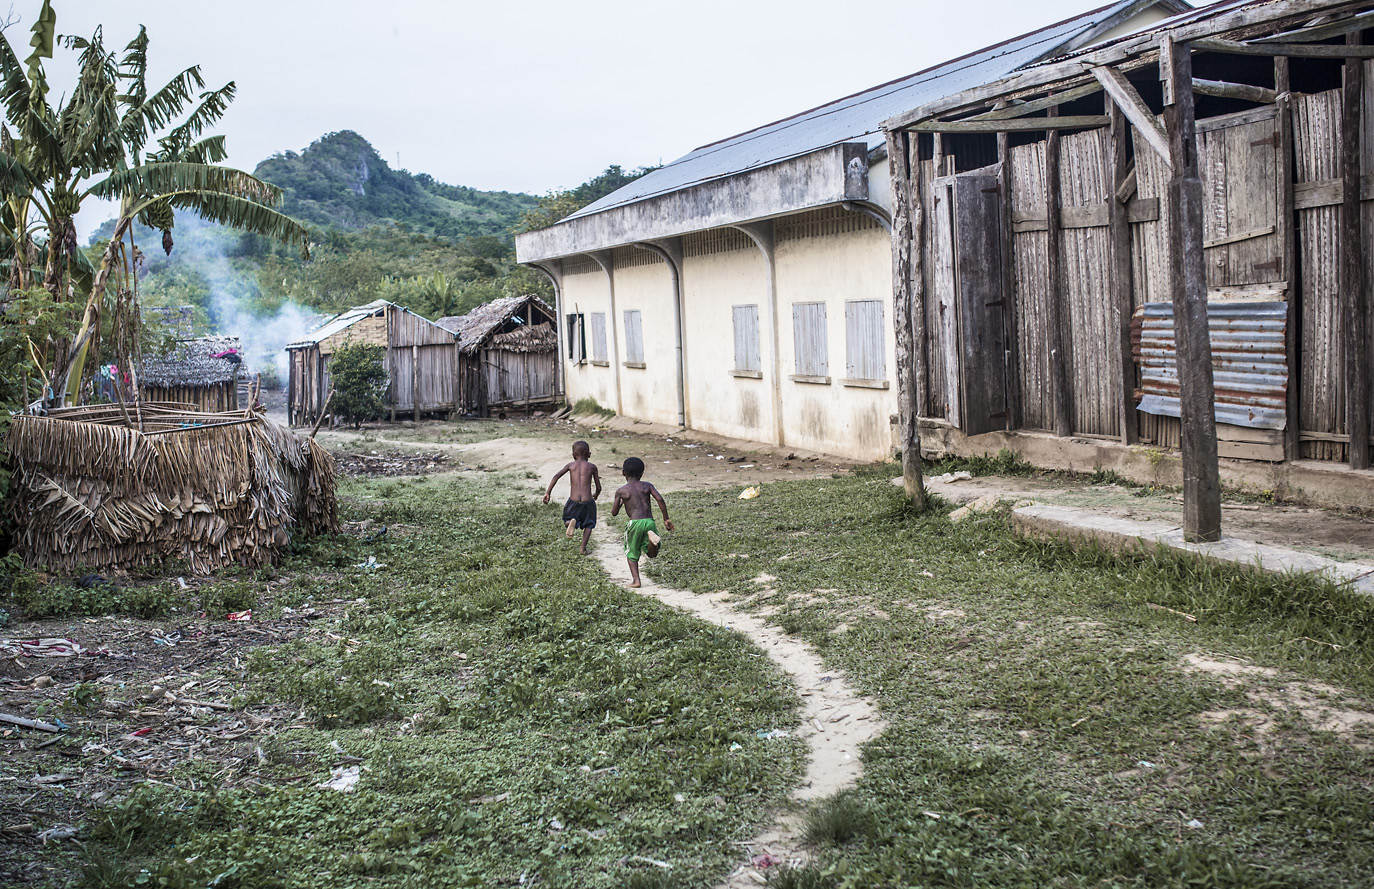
[[1241, 230], [978, 272], [944, 334]]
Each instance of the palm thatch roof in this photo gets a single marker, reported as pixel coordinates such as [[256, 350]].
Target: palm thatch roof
[[205, 361], [516, 323], [96, 488]]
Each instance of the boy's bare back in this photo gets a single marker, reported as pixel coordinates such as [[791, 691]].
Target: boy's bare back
[[634, 496], [581, 474]]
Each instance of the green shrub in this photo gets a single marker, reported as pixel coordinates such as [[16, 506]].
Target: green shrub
[[358, 374]]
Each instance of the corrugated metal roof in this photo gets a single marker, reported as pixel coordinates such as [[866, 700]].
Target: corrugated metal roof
[[1249, 361], [341, 321], [852, 119]]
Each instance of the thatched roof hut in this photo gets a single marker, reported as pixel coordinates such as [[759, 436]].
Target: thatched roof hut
[[508, 354], [96, 488]]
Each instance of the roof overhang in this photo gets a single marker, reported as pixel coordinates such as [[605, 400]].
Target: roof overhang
[[820, 178]]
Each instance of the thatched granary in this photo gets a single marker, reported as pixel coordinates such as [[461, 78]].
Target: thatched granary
[[99, 489], [204, 372], [507, 355]]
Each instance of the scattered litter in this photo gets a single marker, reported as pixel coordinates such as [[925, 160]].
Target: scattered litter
[[240, 615], [774, 734], [736, 745], [817, 724], [31, 723], [681, 798], [749, 493], [953, 477], [655, 863], [738, 459], [1145, 764], [40, 647], [57, 832], [927, 574], [765, 861], [42, 682], [54, 779], [1194, 824], [170, 639], [555, 824], [371, 564], [343, 779], [934, 815]]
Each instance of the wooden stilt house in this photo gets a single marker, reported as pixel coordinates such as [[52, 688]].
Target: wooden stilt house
[[507, 355], [420, 361]]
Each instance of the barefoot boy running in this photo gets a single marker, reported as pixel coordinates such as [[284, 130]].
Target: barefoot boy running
[[580, 510], [641, 534]]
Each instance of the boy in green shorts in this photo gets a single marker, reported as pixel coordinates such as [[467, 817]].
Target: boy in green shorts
[[641, 534]]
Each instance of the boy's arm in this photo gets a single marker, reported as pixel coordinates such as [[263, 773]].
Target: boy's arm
[[663, 507], [562, 472], [615, 505], [596, 477]]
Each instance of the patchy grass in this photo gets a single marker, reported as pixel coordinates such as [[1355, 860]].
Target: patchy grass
[[1043, 728], [514, 716]]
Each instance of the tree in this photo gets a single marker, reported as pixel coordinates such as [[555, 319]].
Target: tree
[[97, 142], [358, 374], [558, 205]]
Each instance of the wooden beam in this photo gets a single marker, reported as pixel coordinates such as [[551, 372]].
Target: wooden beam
[[1337, 28], [1054, 274], [906, 244], [1293, 50], [1288, 246], [1119, 272], [1134, 108], [1013, 350], [1054, 100], [1242, 91], [1012, 125], [1352, 250], [1201, 479]]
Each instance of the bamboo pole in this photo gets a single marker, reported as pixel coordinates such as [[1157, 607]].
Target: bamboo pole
[[1352, 263], [323, 411]]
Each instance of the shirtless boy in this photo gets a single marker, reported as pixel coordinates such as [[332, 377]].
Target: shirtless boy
[[641, 534], [580, 510]]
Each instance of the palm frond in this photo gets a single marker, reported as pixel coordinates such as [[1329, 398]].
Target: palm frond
[[16, 180], [212, 106], [209, 150], [134, 68], [44, 32], [14, 85], [177, 176], [155, 112], [245, 215]]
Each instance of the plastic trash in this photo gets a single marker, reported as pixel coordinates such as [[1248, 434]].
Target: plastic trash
[[1146, 764], [773, 735], [240, 615], [749, 493], [371, 564], [342, 779], [1194, 824]]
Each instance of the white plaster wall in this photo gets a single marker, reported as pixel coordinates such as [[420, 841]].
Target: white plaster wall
[[650, 392], [718, 401], [880, 185], [846, 420], [587, 293]]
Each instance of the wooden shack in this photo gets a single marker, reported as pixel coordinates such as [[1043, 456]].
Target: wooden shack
[[507, 355], [205, 372], [1164, 241], [420, 361]]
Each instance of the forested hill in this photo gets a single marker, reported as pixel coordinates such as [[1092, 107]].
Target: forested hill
[[340, 181]]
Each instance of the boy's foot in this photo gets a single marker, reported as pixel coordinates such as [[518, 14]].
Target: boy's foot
[[634, 585], [654, 538], [584, 550], [572, 525]]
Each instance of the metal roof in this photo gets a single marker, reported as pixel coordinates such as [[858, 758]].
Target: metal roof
[[855, 118], [341, 321]]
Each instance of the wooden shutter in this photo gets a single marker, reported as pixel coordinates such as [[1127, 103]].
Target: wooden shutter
[[747, 339], [634, 336], [808, 332], [978, 279], [1238, 158], [863, 328], [599, 336]]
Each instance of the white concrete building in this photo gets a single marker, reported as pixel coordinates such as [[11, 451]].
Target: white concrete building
[[745, 289]]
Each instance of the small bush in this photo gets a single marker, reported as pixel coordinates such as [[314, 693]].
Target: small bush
[[840, 820], [358, 373], [91, 595], [589, 405]]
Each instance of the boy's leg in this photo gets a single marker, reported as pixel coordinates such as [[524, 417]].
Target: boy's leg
[[572, 523], [586, 536], [651, 545], [634, 573]]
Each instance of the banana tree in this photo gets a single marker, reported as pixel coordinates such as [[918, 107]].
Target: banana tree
[[111, 138]]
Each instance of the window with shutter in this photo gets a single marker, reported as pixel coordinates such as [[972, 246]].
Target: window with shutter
[[747, 360], [809, 344], [634, 338], [863, 334], [577, 337], [598, 324]]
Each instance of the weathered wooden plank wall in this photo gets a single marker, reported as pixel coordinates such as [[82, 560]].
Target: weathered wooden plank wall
[[1317, 156], [936, 376], [1085, 181], [1031, 289]]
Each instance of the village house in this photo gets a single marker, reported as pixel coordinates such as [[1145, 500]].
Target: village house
[[745, 289], [1162, 241], [507, 356]]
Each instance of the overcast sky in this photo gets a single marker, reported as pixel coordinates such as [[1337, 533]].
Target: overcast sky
[[532, 96]]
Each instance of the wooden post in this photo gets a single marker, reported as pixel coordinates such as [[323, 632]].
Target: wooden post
[[906, 225], [1201, 479], [920, 347], [1059, 375], [415, 381], [1119, 274], [457, 363], [1352, 264], [324, 409], [1288, 252], [1012, 355]]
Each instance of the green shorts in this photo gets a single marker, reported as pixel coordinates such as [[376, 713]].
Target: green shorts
[[636, 536]]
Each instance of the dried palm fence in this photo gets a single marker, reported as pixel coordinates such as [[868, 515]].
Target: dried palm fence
[[101, 489]]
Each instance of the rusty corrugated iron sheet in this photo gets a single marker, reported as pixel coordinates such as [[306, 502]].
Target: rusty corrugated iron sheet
[[1249, 361]]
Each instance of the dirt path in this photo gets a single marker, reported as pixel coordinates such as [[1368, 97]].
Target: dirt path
[[835, 720]]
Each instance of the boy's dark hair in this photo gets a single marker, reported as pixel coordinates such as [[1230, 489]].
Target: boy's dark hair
[[633, 467], [581, 447]]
